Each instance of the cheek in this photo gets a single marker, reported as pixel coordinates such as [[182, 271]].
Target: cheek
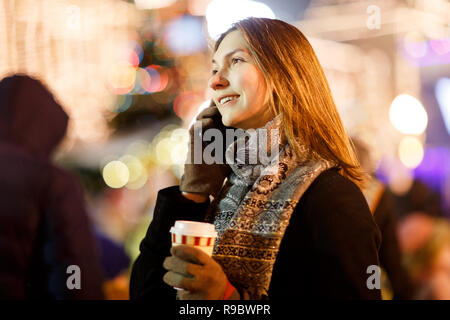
[[254, 86], [262, 92]]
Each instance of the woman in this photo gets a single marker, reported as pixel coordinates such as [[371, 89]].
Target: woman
[[297, 226]]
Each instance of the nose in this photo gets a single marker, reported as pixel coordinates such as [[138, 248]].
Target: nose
[[218, 81]]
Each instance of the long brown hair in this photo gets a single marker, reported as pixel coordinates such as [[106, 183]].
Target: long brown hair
[[300, 91]]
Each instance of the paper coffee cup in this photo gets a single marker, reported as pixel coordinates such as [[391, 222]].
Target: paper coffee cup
[[197, 234]]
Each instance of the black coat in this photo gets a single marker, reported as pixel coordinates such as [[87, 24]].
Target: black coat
[[44, 227], [330, 242]]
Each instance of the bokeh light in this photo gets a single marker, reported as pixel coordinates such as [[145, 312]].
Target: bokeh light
[[137, 50], [221, 14], [410, 152], [138, 148], [121, 77], [138, 172], [408, 115], [163, 77], [184, 36], [157, 79], [122, 103], [185, 103], [169, 147], [116, 174], [180, 135], [442, 92], [179, 153], [132, 58], [134, 165], [164, 152], [139, 182], [143, 81], [440, 46], [180, 140], [415, 44]]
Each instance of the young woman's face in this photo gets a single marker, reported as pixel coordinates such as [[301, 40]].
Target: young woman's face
[[236, 78]]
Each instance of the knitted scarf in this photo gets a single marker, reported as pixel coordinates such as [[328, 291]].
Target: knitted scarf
[[253, 210]]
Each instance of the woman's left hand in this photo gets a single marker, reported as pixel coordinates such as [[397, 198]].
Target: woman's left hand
[[191, 269]]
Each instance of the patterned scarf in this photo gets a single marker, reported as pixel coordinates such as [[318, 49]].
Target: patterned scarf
[[253, 210]]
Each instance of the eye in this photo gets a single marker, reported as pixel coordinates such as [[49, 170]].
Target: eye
[[213, 72], [236, 60]]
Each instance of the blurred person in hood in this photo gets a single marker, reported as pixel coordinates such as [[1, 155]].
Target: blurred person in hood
[[47, 247]]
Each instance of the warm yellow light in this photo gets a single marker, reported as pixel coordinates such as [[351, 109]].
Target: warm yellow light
[[116, 174], [163, 152], [408, 115], [134, 165], [121, 77], [410, 152], [138, 183], [138, 148], [180, 135], [178, 153]]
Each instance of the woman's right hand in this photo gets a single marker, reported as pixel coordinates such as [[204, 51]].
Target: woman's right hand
[[202, 179]]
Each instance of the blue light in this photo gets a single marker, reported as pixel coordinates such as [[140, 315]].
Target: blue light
[[184, 36], [442, 92]]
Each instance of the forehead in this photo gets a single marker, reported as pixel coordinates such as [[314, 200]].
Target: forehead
[[232, 41]]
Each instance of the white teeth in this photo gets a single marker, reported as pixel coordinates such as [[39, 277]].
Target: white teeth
[[226, 99]]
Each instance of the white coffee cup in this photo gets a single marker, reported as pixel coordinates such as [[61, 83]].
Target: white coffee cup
[[200, 235], [197, 234]]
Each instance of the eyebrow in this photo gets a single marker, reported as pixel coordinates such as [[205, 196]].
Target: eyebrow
[[230, 54]]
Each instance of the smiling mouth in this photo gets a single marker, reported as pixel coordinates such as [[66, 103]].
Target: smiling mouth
[[228, 100]]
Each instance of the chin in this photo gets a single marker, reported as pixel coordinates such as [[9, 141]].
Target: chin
[[227, 120]]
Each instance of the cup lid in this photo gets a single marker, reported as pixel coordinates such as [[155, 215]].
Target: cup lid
[[194, 228]]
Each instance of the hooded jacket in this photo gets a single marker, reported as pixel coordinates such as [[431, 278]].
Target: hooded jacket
[[44, 227]]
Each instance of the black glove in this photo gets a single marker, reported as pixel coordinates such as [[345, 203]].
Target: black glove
[[203, 178]]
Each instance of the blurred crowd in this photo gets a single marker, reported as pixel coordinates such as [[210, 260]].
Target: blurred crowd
[[415, 249]]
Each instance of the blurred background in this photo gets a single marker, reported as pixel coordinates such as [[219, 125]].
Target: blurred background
[[132, 75]]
